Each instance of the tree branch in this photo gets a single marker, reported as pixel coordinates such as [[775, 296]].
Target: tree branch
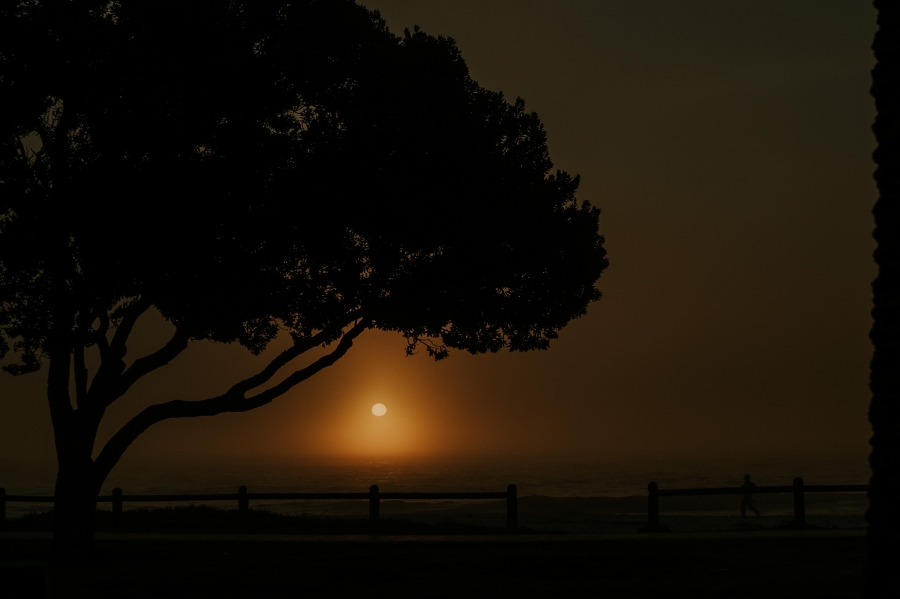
[[59, 349], [145, 365], [231, 401], [100, 334], [117, 349], [300, 346], [58, 381], [80, 339], [81, 373], [112, 364]]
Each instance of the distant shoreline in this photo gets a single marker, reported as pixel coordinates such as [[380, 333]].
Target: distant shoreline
[[538, 514]]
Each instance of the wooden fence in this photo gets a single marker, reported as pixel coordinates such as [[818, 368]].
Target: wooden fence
[[374, 496], [798, 489]]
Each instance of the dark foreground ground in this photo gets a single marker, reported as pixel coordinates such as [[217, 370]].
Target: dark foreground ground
[[807, 565]]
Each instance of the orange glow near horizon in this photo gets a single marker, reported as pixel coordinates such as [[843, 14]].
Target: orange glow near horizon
[[359, 428]]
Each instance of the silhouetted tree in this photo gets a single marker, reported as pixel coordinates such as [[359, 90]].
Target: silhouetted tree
[[884, 413], [254, 167]]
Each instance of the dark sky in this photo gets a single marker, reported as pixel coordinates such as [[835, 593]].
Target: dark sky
[[728, 145]]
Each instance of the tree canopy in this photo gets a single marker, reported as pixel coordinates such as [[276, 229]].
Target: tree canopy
[[256, 168]]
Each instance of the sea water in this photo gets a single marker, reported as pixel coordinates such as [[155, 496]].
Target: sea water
[[549, 486]]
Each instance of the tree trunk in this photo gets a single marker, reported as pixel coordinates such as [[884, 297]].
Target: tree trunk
[[884, 413], [75, 505], [77, 482]]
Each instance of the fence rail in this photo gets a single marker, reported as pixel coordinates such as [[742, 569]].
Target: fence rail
[[798, 489], [374, 497]]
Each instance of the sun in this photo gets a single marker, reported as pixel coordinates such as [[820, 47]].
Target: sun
[[379, 409]]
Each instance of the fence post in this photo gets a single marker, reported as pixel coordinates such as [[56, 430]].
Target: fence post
[[512, 508], [799, 504], [243, 501], [374, 507], [653, 511], [116, 507], [2, 506]]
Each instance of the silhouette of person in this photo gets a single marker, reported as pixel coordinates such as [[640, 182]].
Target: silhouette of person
[[748, 496]]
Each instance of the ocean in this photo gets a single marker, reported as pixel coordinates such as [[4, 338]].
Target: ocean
[[574, 495], [548, 477]]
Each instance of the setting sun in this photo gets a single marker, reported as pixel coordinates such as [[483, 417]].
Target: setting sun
[[379, 409]]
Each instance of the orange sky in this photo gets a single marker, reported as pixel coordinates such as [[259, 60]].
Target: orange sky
[[728, 145]]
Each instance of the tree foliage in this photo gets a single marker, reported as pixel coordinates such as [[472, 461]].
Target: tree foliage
[[251, 169]]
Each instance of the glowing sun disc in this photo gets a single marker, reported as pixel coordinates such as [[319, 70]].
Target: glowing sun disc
[[379, 409]]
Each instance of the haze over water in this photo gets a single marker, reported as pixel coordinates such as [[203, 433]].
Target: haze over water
[[549, 477]]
